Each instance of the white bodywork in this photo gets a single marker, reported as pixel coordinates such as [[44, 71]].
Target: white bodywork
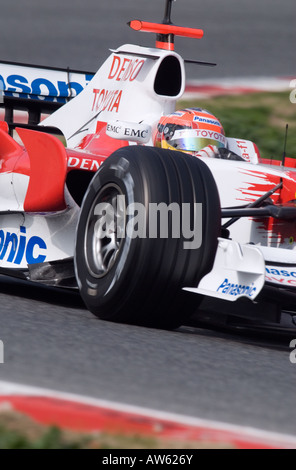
[[122, 89], [122, 95], [238, 271]]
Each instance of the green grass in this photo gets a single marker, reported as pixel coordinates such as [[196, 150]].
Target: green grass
[[55, 438], [259, 117], [18, 431], [51, 439]]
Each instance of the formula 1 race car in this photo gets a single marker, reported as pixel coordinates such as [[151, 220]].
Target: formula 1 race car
[[148, 233]]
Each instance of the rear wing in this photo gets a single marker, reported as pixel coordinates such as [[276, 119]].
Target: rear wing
[[36, 90]]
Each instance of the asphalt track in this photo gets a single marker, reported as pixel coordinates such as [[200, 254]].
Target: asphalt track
[[50, 339]]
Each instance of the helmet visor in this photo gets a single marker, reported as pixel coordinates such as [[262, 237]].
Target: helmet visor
[[195, 140]]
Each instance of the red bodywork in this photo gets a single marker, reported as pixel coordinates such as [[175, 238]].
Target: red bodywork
[[45, 160]]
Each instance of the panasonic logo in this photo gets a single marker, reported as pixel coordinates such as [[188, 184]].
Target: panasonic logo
[[207, 121], [282, 272], [236, 289], [15, 247]]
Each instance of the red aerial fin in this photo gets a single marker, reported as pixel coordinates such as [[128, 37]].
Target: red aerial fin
[[166, 31], [160, 28]]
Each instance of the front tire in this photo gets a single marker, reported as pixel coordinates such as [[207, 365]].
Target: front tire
[[139, 279]]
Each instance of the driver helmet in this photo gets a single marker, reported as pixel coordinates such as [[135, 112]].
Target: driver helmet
[[189, 130]]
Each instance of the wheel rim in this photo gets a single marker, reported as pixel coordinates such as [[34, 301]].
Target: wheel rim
[[104, 230]]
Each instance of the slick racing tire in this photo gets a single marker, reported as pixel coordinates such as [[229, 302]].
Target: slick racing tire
[[130, 266]]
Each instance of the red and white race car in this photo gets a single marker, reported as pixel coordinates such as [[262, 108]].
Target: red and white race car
[[147, 234]]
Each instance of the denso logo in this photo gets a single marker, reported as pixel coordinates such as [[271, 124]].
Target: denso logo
[[42, 88], [123, 69], [83, 163], [16, 246]]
